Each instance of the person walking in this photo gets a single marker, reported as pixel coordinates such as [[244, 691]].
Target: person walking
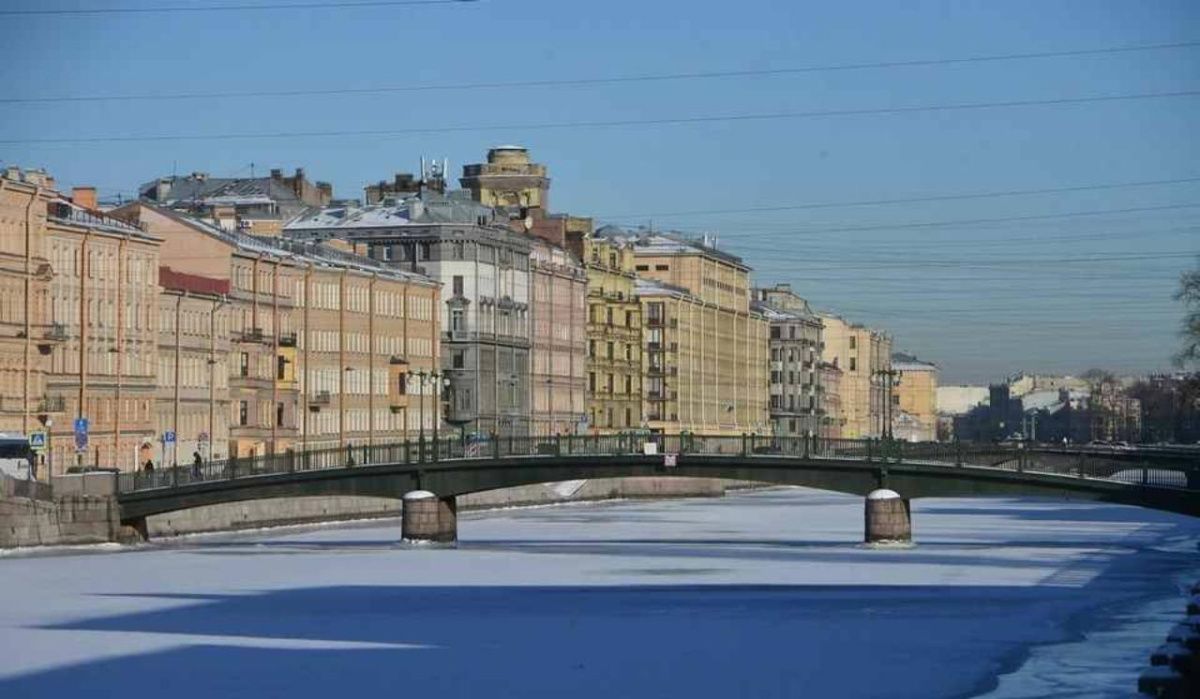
[[197, 462]]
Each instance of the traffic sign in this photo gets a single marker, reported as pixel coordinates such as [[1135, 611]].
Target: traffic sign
[[168, 437], [670, 460], [81, 434], [37, 441]]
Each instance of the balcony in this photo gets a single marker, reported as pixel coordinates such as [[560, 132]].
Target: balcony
[[321, 399], [249, 335], [52, 405], [54, 334], [287, 339]]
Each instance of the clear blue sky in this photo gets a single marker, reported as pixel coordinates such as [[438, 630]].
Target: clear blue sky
[[981, 300]]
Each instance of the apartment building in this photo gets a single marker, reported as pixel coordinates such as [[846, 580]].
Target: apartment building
[[829, 400], [254, 205], [862, 354], [194, 347], [614, 338], [484, 312], [705, 351], [795, 352], [324, 343], [914, 399], [558, 344]]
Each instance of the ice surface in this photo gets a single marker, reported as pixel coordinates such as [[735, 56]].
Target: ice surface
[[764, 594]]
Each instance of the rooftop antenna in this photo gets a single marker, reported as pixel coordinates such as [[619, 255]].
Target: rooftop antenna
[[251, 170]]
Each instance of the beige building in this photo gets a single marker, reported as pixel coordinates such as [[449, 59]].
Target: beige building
[[914, 399], [862, 354], [829, 400], [194, 348], [558, 349], [322, 341], [614, 332], [508, 180], [705, 357], [27, 332]]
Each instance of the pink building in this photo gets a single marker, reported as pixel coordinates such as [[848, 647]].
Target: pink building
[[558, 339]]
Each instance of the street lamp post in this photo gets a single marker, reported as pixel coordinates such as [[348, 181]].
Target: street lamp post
[[420, 376]]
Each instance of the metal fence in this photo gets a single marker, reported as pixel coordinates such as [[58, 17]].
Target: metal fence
[[424, 451]]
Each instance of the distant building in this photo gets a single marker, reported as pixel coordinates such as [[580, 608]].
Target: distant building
[[914, 399], [861, 353], [558, 344], [795, 352], [960, 399], [508, 180], [1020, 384], [829, 400], [254, 205]]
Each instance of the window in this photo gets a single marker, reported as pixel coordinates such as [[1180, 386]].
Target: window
[[628, 387], [457, 283], [243, 412], [456, 249], [591, 348], [608, 316], [612, 259], [610, 351], [853, 364], [629, 319], [774, 332], [628, 417], [853, 342], [456, 320], [422, 251], [402, 384], [280, 367], [610, 390], [895, 399], [661, 268], [592, 381], [457, 359], [643, 268], [628, 353], [279, 414], [245, 366]]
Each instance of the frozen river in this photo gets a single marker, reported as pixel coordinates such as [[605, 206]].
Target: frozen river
[[762, 594]]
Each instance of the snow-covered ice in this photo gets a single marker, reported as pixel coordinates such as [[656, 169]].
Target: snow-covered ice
[[760, 594]]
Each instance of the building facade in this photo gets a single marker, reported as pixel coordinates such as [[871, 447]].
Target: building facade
[[483, 268], [863, 354], [914, 399], [323, 344], [829, 400], [194, 347], [704, 351], [614, 338], [795, 352], [508, 180], [558, 344]]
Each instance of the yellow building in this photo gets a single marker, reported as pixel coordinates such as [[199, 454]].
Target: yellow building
[[914, 399], [706, 353], [862, 354], [614, 332], [509, 179]]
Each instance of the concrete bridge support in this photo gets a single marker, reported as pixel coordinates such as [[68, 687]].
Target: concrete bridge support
[[888, 518], [429, 519]]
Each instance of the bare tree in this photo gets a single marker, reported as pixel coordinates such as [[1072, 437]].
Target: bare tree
[[1189, 294]]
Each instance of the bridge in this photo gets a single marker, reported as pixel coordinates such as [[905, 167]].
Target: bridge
[[430, 474]]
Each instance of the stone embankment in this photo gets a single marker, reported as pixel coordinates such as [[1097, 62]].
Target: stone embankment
[[81, 509], [1174, 671]]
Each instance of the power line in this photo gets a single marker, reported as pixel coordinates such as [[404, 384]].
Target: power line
[[665, 121], [907, 200], [173, 9], [610, 80], [801, 233]]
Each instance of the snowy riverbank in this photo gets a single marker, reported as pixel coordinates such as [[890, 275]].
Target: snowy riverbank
[[763, 594]]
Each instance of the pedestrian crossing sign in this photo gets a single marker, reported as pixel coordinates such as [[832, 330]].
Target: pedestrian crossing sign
[[37, 441]]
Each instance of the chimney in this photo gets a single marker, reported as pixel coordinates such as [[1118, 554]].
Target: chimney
[[276, 173], [84, 196]]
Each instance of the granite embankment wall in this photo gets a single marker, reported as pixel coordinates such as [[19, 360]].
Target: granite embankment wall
[[285, 511], [81, 509], [76, 510]]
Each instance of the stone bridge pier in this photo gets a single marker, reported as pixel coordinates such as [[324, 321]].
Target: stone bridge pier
[[429, 519], [888, 518]]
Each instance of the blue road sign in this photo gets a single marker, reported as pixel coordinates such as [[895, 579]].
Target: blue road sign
[[37, 440], [81, 434], [168, 437]]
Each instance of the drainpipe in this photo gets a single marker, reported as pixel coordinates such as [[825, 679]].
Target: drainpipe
[[275, 358], [28, 306], [120, 349], [342, 360], [304, 387], [371, 360], [175, 412], [83, 331]]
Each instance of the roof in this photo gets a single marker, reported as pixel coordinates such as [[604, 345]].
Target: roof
[[644, 241], [224, 190], [412, 210], [776, 314], [63, 210], [907, 362], [301, 252]]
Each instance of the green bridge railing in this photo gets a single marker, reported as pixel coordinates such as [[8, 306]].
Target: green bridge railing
[[1082, 464]]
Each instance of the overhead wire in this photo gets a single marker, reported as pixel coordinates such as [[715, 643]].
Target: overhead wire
[[604, 80], [242, 7], [609, 123]]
